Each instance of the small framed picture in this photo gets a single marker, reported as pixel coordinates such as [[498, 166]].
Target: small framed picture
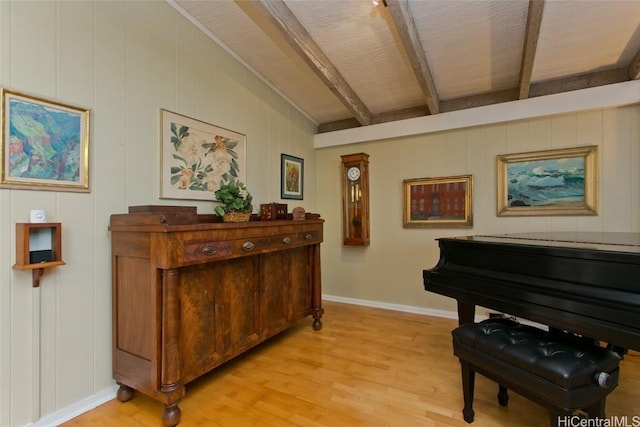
[[443, 202], [45, 144], [291, 177]]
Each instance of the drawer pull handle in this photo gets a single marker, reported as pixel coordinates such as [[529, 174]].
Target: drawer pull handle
[[308, 236], [209, 250], [287, 240], [247, 246]]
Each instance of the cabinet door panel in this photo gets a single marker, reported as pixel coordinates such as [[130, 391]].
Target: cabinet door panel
[[240, 280], [133, 321], [300, 283], [274, 273], [201, 342]]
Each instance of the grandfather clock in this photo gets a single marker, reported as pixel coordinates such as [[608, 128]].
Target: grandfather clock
[[355, 199]]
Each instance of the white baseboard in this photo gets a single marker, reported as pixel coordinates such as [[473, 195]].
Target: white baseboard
[[447, 314], [65, 414], [397, 307]]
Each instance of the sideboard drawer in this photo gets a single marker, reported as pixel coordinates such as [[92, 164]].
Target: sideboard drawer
[[203, 250], [256, 244], [276, 242], [308, 237]]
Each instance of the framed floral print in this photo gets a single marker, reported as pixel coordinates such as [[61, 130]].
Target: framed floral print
[[198, 157], [45, 144]]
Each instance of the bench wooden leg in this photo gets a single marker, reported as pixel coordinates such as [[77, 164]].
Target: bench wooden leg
[[556, 414], [597, 409], [503, 395], [468, 382]]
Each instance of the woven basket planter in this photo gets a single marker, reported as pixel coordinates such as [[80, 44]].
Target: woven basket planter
[[236, 216]]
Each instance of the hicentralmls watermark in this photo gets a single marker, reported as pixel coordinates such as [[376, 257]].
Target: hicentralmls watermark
[[615, 421]]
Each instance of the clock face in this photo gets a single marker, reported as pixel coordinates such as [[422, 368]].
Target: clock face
[[353, 173]]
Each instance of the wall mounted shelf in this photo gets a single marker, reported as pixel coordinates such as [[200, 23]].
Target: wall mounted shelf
[[38, 246]]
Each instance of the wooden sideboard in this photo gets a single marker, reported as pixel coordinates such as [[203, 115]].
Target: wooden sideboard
[[190, 294]]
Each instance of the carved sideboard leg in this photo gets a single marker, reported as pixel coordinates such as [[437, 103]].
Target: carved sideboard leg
[[317, 314], [125, 393], [317, 324], [170, 377], [316, 291], [171, 415]]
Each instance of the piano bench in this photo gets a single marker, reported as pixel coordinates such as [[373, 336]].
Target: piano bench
[[554, 369]]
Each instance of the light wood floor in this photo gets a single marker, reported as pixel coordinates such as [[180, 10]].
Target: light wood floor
[[366, 367]]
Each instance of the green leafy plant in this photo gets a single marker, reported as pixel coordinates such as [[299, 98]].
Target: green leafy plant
[[233, 197]]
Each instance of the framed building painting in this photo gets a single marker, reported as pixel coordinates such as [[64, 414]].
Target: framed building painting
[[198, 157], [45, 144], [551, 182], [442, 202], [291, 177]]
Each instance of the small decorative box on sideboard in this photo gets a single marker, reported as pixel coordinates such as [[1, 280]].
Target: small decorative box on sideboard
[[273, 211]]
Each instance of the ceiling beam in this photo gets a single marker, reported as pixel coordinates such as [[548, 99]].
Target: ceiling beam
[[278, 14], [634, 67], [534, 20], [583, 81], [337, 125], [402, 114], [406, 27], [549, 87], [388, 116], [480, 100]]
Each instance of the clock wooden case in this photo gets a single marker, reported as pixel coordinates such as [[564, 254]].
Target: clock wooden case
[[355, 199]]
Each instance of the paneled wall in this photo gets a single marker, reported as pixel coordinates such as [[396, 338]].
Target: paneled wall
[[389, 271], [125, 60]]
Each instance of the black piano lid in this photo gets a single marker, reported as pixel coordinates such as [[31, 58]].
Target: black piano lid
[[601, 241]]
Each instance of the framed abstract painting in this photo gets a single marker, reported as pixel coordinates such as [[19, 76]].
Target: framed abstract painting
[[45, 144]]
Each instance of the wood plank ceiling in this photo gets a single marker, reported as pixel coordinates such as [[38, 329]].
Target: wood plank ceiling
[[349, 63]]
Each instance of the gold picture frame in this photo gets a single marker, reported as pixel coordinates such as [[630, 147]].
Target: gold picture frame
[[441, 202], [548, 183], [45, 144]]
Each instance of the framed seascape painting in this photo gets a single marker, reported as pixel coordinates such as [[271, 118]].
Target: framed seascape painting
[[443, 202], [45, 144], [552, 182], [197, 157], [291, 177]]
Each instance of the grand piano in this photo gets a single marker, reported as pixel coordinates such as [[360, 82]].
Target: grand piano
[[587, 283]]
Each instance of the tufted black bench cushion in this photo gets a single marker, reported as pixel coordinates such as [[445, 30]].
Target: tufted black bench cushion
[[557, 370]]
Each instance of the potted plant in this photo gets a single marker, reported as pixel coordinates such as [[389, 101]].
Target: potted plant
[[234, 202]]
